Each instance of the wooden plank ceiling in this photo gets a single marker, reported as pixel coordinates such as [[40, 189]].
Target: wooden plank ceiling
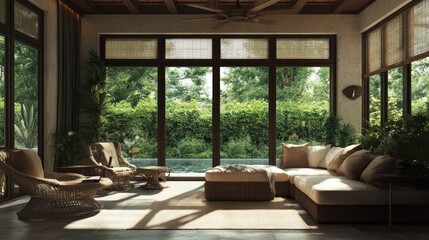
[[182, 7]]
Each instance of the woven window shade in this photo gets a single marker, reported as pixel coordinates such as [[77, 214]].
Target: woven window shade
[[26, 21], [417, 19], [302, 48], [373, 51], [188, 48], [393, 52], [3, 11], [142, 48], [244, 48]]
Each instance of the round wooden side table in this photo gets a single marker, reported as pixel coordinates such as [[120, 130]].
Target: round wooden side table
[[152, 174]]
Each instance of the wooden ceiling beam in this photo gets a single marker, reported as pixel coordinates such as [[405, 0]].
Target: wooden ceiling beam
[[340, 8], [171, 6], [298, 6], [132, 6], [86, 5]]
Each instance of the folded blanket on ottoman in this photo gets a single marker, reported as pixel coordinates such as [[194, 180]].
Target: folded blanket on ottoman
[[251, 169]]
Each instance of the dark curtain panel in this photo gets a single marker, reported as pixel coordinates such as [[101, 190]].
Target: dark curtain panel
[[69, 24]]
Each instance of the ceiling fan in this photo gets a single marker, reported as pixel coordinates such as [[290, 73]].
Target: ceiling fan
[[236, 14]]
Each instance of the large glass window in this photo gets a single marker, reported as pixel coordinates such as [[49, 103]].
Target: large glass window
[[302, 104], [215, 106], [20, 49], [132, 112], [26, 75], [419, 86], [244, 115], [395, 94], [375, 100], [188, 119]]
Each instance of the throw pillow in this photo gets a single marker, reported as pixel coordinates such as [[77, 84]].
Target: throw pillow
[[315, 154], [353, 165], [341, 156], [27, 161], [383, 164], [329, 156], [294, 156]]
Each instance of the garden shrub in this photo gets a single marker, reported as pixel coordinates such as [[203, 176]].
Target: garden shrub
[[244, 126]]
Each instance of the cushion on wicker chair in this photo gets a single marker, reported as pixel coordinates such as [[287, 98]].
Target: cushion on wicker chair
[[27, 162], [107, 150]]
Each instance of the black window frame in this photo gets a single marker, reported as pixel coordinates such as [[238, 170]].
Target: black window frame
[[11, 37], [216, 63]]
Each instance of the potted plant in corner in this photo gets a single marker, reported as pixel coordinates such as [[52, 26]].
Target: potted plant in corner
[[406, 139]]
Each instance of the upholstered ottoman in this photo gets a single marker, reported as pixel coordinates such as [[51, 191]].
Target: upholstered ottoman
[[245, 182]]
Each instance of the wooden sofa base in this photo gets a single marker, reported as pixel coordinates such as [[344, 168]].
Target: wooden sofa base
[[243, 191], [362, 213]]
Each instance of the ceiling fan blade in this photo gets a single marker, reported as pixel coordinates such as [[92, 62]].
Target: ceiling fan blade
[[199, 19], [262, 6], [217, 11]]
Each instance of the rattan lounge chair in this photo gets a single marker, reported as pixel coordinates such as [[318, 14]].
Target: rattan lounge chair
[[53, 195], [108, 156]]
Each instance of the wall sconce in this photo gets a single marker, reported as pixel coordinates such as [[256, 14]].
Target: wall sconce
[[352, 92]]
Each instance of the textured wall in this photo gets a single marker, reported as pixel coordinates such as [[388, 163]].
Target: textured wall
[[50, 74]]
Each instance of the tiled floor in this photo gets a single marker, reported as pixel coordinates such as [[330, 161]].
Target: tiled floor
[[122, 211]]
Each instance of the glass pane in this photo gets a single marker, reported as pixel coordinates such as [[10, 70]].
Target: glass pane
[[394, 41], [2, 111], [302, 48], [3, 11], [375, 100], [244, 115], [420, 86], [418, 29], [395, 94], [188, 119], [26, 96], [125, 48], [253, 48], [303, 95], [132, 112], [188, 48], [26, 21], [373, 51]]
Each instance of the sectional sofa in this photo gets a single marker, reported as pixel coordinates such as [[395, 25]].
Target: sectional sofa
[[334, 185]]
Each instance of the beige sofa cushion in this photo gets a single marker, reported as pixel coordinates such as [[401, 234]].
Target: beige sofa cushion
[[342, 155], [329, 156], [28, 161], [294, 156], [339, 190], [222, 174], [354, 164], [292, 172], [315, 154], [383, 164]]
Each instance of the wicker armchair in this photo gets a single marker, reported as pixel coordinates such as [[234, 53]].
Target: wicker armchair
[[53, 195], [108, 156]]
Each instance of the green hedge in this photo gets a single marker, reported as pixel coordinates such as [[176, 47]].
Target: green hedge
[[244, 126]]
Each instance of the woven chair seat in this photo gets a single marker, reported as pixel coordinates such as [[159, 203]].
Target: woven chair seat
[[54, 195]]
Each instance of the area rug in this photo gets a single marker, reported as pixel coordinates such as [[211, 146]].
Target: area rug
[[190, 210]]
